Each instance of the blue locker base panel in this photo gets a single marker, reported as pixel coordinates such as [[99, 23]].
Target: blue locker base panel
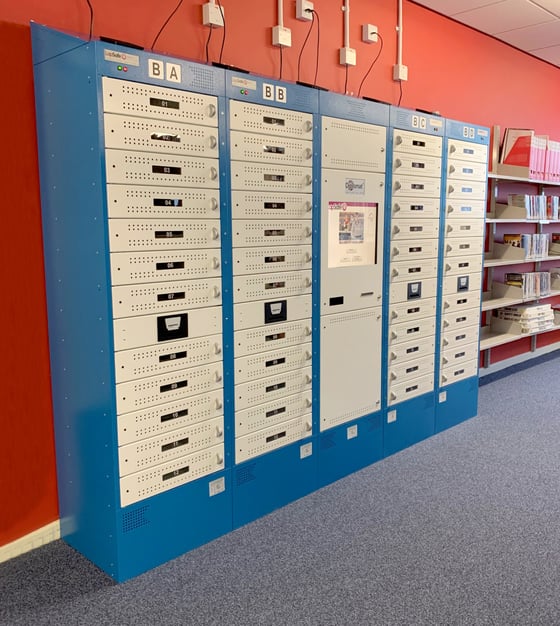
[[273, 480], [349, 447], [461, 404], [158, 529], [414, 422]]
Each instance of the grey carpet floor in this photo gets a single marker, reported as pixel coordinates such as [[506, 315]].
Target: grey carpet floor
[[461, 529]]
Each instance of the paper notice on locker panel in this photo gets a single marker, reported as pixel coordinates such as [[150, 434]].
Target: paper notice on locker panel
[[352, 237], [169, 416], [270, 205], [270, 413], [135, 201], [147, 330], [166, 357], [129, 268], [267, 312], [272, 362], [138, 394]]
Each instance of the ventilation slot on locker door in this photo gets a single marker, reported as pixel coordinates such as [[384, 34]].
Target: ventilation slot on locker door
[[245, 474]]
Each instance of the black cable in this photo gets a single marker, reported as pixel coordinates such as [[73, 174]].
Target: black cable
[[165, 24], [345, 78], [208, 42], [281, 61], [372, 64], [305, 43], [317, 54], [224, 35], [400, 97], [90, 20]]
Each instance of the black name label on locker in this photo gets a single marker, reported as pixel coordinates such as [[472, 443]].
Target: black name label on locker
[[274, 232], [274, 362], [275, 412], [169, 234], [276, 178], [275, 437], [175, 444], [166, 169], [170, 265], [275, 337], [276, 121], [168, 202], [173, 416], [274, 205], [165, 104], [174, 356], [165, 137], [175, 473], [174, 295], [274, 259], [275, 387], [274, 149], [172, 386]]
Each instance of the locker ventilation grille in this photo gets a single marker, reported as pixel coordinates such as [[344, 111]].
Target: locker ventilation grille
[[245, 474], [373, 423], [135, 519], [202, 78], [327, 441]]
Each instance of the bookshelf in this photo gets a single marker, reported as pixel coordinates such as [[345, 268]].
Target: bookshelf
[[501, 257]]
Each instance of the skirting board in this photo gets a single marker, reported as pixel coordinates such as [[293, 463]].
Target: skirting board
[[516, 360], [33, 540]]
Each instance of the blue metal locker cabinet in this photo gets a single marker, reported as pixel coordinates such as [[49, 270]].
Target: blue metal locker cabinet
[[416, 142], [131, 153], [353, 189], [466, 148], [273, 191]]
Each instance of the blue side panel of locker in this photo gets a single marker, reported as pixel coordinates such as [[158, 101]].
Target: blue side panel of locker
[[466, 152], [123, 537], [353, 184], [273, 154]]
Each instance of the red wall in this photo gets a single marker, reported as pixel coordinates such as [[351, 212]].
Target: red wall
[[452, 69]]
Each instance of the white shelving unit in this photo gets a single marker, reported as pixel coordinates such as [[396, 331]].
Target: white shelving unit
[[501, 255]]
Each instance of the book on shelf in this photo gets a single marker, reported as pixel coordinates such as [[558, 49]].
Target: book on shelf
[[554, 247], [532, 284], [552, 206], [535, 246], [520, 149], [527, 319]]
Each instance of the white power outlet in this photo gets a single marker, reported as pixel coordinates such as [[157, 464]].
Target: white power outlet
[[282, 36], [347, 56], [369, 33], [304, 10], [212, 15], [400, 72]]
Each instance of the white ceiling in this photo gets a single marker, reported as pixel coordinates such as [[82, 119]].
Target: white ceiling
[[530, 25]]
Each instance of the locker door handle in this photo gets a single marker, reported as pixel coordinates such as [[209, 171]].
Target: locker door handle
[[211, 110], [445, 361], [308, 206], [307, 282], [307, 331], [395, 272], [308, 232], [445, 324], [220, 459], [308, 126], [452, 148], [216, 292], [445, 342], [215, 233], [450, 209], [308, 355], [213, 141], [451, 169], [397, 186], [308, 153], [393, 356], [397, 208], [307, 180], [214, 204], [217, 348], [396, 230], [394, 315], [213, 173], [447, 267], [217, 377], [398, 162], [393, 376], [219, 431], [443, 378], [218, 405], [307, 257], [215, 263], [451, 189], [393, 396], [308, 426], [396, 251], [307, 403], [393, 334], [398, 140], [308, 379], [449, 228]]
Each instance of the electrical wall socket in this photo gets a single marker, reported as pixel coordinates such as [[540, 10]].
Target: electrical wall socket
[[400, 72], [347, 56], [369, 33], [304, 10], [212, 15], [282, 36]]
